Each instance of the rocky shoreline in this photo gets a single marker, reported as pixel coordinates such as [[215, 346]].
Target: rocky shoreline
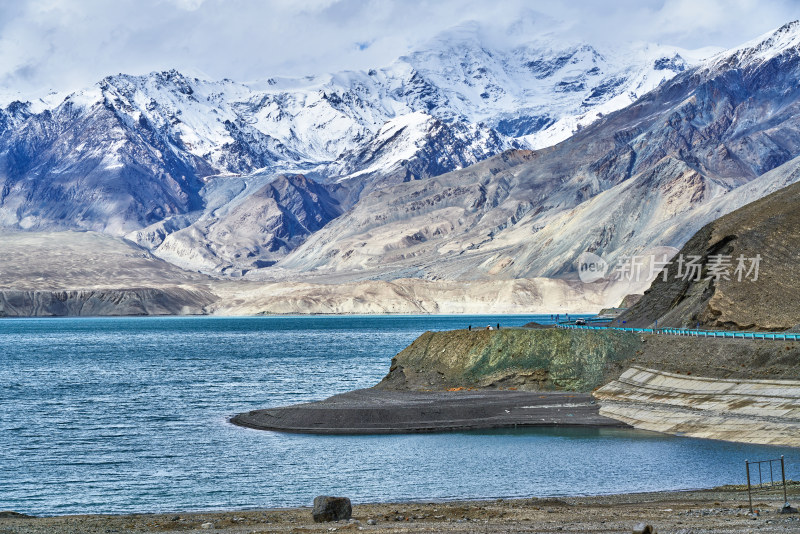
[[718, 510]]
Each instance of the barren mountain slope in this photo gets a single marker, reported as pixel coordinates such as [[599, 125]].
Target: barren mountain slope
[[82, 260], [409, 296], [252, 230], [769, 228], [85, 273]]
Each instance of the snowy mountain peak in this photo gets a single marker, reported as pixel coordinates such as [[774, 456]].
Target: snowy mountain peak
[[770, 45], [422, 146], [207, 173], [530, 94]]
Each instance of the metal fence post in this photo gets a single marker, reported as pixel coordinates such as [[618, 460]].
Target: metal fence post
[[749, 494], [783, 478]]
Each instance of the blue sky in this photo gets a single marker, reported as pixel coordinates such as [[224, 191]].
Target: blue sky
[[67, 44]]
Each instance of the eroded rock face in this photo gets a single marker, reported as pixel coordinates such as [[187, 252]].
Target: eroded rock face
[[94, 302], [524, 359], [331, 509], [408, 295], [86, 273], [768, 228]]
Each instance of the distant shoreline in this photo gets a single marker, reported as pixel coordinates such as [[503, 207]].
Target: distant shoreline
[[294, 314]]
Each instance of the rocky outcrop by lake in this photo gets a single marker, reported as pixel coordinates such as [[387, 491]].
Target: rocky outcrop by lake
[[737, 390], [526, 359], [766, 298]]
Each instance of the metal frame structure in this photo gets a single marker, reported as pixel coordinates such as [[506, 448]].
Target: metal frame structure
[[761, 484]]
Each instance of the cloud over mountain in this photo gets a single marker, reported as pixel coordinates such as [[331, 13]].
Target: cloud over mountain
[[65, 45]]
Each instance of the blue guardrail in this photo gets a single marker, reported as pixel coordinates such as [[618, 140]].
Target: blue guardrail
[[731, 334]]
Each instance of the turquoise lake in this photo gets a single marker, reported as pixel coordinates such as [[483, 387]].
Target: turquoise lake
[[120, 415]]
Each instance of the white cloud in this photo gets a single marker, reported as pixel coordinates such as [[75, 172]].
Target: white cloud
[[66, 44], [189, 5]]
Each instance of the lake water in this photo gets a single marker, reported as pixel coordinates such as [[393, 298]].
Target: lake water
[[131, 415]]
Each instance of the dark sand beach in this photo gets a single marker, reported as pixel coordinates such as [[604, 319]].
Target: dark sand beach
[[372, 411]]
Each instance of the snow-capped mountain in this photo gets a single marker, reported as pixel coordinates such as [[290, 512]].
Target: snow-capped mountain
[[538, 91], [649, 175], [143, 155], [535, 92], [412, 147]]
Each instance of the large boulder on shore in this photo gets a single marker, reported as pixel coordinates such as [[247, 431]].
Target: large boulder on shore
[[331, 509]]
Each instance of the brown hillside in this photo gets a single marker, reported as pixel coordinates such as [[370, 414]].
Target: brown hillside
[[769, 227]]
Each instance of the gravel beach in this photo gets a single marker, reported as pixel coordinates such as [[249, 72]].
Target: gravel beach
[[719, 510]]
